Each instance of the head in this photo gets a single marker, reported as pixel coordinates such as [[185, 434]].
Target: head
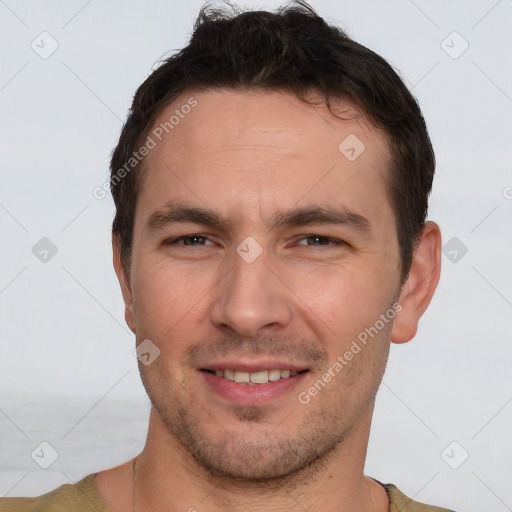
[[269, 131]]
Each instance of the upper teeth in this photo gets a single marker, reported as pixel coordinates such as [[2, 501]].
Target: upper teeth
[[256, 377]]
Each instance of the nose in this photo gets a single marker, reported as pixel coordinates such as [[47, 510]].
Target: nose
[[251, 298]]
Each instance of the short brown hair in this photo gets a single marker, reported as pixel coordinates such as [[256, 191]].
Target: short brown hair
[[296, 51]]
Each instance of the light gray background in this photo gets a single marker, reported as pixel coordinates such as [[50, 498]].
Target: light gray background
[[68, 375]]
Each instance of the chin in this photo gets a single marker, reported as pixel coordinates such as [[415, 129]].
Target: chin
[[252, 463]]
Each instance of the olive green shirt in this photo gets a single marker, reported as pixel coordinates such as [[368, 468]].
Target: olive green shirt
[[83, 497]]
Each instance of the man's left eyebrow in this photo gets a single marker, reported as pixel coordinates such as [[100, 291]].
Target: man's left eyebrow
[[323, 215]]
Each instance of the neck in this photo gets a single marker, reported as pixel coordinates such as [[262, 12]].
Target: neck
[[167, 478]]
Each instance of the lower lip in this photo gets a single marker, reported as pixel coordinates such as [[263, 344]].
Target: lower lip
[[251, 395]]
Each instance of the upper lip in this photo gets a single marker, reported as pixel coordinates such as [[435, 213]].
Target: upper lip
[[254, 366]]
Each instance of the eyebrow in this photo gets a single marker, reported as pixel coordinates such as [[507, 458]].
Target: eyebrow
[[175, 213], [316, 214]]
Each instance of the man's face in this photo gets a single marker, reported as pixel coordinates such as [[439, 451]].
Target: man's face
[[267, 289]]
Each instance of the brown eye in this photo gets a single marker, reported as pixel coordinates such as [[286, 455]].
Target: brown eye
[[319, 240], [190, 240]]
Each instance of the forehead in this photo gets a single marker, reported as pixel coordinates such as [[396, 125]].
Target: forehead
[[248, 149], [222, 117]]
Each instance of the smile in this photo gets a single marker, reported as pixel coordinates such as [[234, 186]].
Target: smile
[[260, 377]]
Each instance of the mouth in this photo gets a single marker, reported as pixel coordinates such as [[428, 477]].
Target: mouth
[[254, 378], [251, 386]]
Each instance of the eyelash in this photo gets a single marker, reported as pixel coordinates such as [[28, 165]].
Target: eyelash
[[333, 241]]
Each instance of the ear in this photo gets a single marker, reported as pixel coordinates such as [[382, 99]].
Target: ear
[[420, 285], [124, 282]]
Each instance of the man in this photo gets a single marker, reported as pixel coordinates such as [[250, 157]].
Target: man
[[271, 186]]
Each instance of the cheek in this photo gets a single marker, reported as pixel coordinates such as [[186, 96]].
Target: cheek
[[345, 305], [168, 300], [343, 299]]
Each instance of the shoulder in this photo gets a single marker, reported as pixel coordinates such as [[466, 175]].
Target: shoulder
[[399, 502], [80, 497]]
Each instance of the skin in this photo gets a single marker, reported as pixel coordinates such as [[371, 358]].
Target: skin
[[247, 155]]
